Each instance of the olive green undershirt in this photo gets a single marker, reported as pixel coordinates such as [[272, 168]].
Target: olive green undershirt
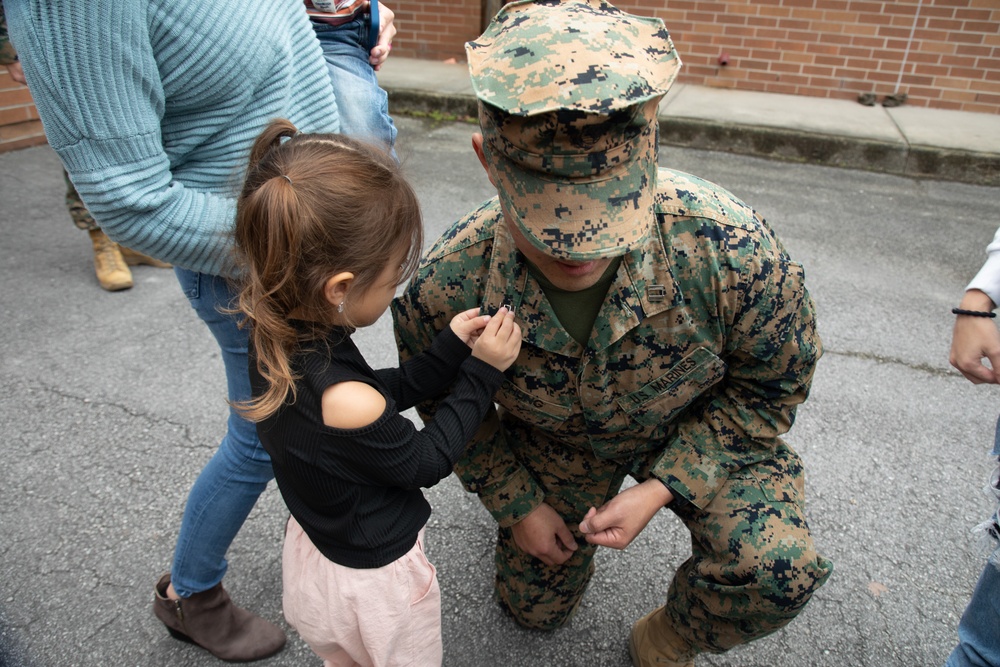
[[577, 311]]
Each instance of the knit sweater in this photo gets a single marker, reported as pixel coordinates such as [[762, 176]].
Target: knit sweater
[[152, 106], [356, 492], [988, 278]]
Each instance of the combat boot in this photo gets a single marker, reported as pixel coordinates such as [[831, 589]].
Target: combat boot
[[112, 272], [210, 620], [135, 258], [653, 643]]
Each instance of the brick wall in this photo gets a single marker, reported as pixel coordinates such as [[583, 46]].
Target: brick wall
[[821, 48], [19, 124], [436, 29]]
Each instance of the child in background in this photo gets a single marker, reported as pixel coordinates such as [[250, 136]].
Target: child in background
[[343, 30], [327, 229]]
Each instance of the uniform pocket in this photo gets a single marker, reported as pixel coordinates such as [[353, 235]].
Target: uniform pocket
[[778, 480], [660, 400], [531, 408]]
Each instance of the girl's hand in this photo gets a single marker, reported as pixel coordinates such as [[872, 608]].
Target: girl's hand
[[499, 343], [468, 325]]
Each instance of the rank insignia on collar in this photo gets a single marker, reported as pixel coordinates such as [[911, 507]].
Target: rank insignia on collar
[[656, 293]]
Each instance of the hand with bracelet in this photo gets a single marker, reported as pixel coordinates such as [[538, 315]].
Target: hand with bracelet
[[976, 337]]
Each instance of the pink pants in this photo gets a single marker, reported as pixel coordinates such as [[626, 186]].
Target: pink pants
[[379, 617]]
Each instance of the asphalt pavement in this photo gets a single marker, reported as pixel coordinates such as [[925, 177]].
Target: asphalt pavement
[[110, 404]]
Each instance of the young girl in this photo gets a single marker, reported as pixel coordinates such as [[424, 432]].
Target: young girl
[[327, 229]]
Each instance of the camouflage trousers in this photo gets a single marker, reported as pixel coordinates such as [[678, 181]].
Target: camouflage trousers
[[77, 211], [753, 565]]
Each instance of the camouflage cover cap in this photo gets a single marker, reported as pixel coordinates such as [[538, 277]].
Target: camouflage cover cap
[[569, 91]]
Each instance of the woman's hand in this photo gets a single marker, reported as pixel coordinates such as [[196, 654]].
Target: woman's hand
[[974, 339]]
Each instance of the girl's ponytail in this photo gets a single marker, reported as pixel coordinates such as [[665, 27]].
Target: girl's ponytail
[[266, 235], [271, 137], [313, 205]]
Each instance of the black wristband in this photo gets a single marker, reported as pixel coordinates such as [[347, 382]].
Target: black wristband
[[973, 313]]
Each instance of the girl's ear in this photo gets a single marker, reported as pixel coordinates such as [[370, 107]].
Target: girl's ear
[[336, 287]]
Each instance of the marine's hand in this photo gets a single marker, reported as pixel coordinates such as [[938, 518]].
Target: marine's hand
[[499, 343], [468, 325], [621, 519], [975, 338], [544, 535], [380, 53]]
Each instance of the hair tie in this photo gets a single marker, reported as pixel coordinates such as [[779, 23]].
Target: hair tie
[[284, 176], [972, 313]]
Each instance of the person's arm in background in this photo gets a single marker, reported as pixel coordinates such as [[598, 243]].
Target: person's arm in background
[[974, 337], [102, 101], [107, 131], [8, 54]]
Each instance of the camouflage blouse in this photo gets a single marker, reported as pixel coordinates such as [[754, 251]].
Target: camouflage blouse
[[703, 348]]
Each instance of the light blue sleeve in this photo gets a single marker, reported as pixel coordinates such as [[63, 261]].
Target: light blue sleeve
[[94, 78], [988, 278]]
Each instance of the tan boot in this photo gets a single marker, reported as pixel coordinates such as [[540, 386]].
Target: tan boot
[[134, 258], [653, 643], [211, 620], [112, 273]]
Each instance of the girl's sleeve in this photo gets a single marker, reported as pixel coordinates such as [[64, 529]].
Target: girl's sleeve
[[393, 452], [988, 278], [427, 374]]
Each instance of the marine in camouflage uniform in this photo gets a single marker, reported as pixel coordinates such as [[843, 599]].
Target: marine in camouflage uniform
[[701, 350]]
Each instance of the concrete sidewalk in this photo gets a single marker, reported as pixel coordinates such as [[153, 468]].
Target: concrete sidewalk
[[909, 141]]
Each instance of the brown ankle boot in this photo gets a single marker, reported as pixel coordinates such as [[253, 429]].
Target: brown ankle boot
[[653, 642], [211, 620], [134, 258], [112, 273]]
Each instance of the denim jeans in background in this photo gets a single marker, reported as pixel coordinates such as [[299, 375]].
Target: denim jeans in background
[[979, 629], [362, 105], [232, 481]]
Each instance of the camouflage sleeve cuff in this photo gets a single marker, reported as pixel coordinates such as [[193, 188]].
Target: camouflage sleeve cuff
[[690, 475], [513, 501]]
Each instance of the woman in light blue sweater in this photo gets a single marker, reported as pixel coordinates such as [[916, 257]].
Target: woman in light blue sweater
[[152, 106]]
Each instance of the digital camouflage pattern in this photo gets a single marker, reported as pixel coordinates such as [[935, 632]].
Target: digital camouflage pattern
[[77, 209], [578, 185], [569, 92], [703, 348], [538, 56]]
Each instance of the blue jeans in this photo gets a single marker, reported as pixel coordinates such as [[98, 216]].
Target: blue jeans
[[979, 629], [232, 481], [362, 105]]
